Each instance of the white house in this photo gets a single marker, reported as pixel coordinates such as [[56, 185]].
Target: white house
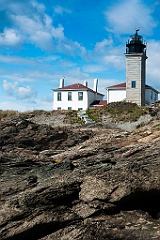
[[76, 96], [118, 93]]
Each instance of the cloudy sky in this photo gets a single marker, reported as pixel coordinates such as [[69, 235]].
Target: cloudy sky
[[43, 40]]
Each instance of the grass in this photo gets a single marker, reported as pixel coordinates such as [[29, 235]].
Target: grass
[[124, 111], [117, 111], [72, 117], [8, 113], [95, 114]]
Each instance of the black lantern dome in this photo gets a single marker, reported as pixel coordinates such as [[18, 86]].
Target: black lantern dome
[[135, 44]]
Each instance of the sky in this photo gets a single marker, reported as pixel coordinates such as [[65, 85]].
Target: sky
[[43, 40]]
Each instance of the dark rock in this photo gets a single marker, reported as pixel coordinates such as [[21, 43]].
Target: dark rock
[[78, 183], [32, 179]]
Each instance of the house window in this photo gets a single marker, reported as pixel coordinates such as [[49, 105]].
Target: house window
[[80, 96], [133, 84], [59, 96], [79, 109], [69, 108], [151, 95], [69, 96], [155, 97], [58, 108]]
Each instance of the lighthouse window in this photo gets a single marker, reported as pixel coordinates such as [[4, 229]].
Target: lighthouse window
[[133, 84]]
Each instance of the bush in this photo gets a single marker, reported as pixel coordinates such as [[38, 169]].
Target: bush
[[124, 111], [8, 113], [95, 114], [72, 117], [117, 111]]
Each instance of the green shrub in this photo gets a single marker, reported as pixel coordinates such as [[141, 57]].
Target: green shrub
[[72, 117], [8, 113], [95, 114], [117, 111], [124, 111], [41, 112]]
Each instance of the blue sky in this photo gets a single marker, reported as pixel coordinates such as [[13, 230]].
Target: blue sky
[[41, 41]]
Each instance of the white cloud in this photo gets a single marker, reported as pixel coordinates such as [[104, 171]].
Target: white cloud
[[16, 60], [31, 24], [28, 61], [10, 37], [93, 68], [48, 98], [118, 62], [58, 32], [38, 6], [100, 47], [34, 28], [105, 56], [10, 105], [19, 92], [125, 16], [77, 74], [39, 30], [10, 88], [153, 64], [17, 6], [42, 40], [26, 92], [26, 24], [22, 106], [71, 48], [61, 10], [19, 77]]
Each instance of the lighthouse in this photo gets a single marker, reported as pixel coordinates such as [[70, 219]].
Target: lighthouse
[[135, 69]]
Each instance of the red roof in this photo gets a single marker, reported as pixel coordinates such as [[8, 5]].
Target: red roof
[[120, 85], [123, 85], [99, 103], [77, 86]]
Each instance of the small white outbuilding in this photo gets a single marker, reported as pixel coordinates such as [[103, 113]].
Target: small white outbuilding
[[117, 93]]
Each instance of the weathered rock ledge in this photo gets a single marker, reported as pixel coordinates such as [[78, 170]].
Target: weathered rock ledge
[[79, 183]]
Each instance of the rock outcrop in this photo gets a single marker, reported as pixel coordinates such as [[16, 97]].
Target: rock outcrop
[[79, 183]]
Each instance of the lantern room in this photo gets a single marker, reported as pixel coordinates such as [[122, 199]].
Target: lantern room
[[135, 44]]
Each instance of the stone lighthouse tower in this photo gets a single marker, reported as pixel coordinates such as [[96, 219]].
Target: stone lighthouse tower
[[135, 69]]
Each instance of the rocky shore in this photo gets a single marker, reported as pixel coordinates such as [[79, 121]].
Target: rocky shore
[[79, 182]]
